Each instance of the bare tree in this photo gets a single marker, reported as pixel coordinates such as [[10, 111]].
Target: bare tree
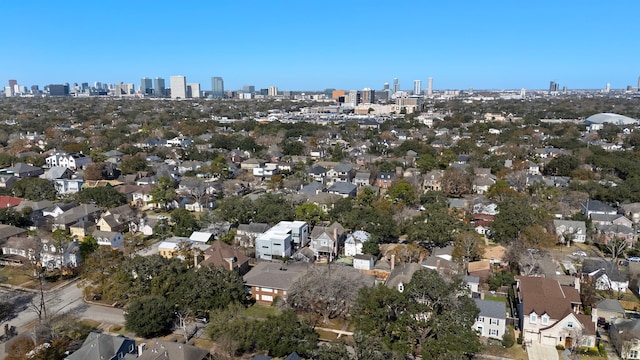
[[326, 291]]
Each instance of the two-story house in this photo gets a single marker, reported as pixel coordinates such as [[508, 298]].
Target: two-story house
[[492, 319], [325, 241], [549, 313], [73, 161], [340, 173], [570, 231], [269, 280]]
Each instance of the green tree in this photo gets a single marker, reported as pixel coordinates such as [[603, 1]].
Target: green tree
[[426, 163], [402, 192], [562, 165], [163, 192], [434, 225], [149, 316], [10, 216], [134, 164], [366, 197], [35, 189], [103, 196], [515, 214], [310, 213], [184, 223], [236, 209], [285, 333], [371, 247], [88, 245]]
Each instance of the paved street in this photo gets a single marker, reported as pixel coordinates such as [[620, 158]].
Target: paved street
[[67, 299]]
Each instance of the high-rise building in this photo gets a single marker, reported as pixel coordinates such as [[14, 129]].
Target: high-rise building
[[146, 86], [430, 86], [159, 87], [178, 85], [638, 83], [193, 90], [354, 98], [217, 87], [368, 96], [523, 93], [248, 89], [385, 86], [554, 86], [417, 87], [273, 91], [58, 90], [396, 85], [607, 88], [13, 83]]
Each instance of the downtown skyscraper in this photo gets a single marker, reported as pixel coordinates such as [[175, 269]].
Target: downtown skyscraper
[[217, 87], [178, 86], [159, 87]]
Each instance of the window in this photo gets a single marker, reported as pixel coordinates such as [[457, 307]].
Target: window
[[545, 320], [480, 319], [493, 332], [494, 321], [276, 244], [533, 318], [633, 354], [570, 324], [401, 287]]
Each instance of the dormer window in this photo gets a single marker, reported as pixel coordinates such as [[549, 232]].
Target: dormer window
[[401, 287], [545, 319], [533, 318], [45, 247]]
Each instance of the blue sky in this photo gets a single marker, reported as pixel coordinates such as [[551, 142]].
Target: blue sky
[[307, 45]]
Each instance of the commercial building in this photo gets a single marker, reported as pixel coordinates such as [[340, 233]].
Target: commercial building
[[178, 86], [417, 87], [146, 86], [159, 87], [217, 87], [193, 90]]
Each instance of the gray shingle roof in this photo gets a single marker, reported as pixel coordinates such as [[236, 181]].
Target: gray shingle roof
[[271, 275], [492, 309]]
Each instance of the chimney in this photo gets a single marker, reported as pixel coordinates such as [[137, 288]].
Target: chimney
[[141, 348], [335, 240], [393, 262], [195, 260], [576, 283]]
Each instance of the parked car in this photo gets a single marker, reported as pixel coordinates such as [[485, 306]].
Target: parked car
[[634, 259], [579, 253]]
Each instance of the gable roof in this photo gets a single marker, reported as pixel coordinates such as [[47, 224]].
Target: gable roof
[[402, 274], [220, 254], [492, 309], [273, 275], [9, 201], [342, 188], [597, 206], [7, 231], [543, 295], [101, 346], [167, 350], [610, 305], [596, 267], [257, 228]]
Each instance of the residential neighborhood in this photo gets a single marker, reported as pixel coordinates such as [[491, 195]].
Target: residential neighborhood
[[521, 235]]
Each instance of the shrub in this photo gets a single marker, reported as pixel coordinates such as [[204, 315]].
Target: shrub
[[592, 351], [520, 339], [559, 347], [602, 350], [508, 339]]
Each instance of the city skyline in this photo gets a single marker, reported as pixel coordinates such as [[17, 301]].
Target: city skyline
[[460, 44]]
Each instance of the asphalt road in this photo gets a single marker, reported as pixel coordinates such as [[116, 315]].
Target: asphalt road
[[67, 299]]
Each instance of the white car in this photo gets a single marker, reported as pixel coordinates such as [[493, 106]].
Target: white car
[[634, 259], [579, 253]]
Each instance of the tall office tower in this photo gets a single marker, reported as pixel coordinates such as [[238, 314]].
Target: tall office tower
[[159, 87], [396, 86], [417, 87], [217, 87], [178, 85], [554, 86], [248, 89], [13, 83], [368, 96], [523, 93], [193, 90], [354, 98], [97, 85], [385, 86], [272, 91], [430, 86], [607, 88], [8, 91], [85, 87], [35, 89], [264, 92], [146, 86], [638, 83]]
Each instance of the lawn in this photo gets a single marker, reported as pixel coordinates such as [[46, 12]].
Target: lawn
[[260, 311], [495, 298], [14, 275], [327, 335], [515, 352]]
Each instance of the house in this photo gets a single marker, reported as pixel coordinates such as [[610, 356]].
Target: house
[[569, 231], [495, 254], [318, 173], [384, 180], [57, 209], [341, 172], [492, 319], [9, 201], [73, 161], [597, 207], [606, 233], [605, 275], [432, 181], [109, 238], [632, 211], [313, 188], [85, 212], [608, 310], [401, 275], [549, 313], [608, 219], [171, 350], [353, 242], [22, 171], [441, 260], [226, 256], [246, 234], [343, 189], [201, 236], [103, 346], [17, 250], [268, 280], [60, 256], [274, 243], [7, 181], [364, 262], [57, 172], [625, 337], [362, 179], [481, 184], [480, 268], [325, 241]]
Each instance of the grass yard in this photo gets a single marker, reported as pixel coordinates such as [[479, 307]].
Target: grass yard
[[327, 335], [515, 352], [91, 323], [14, 275], [495, 298], [260, 311]]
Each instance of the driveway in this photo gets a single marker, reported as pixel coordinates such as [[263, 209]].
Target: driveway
[[542, 352]]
